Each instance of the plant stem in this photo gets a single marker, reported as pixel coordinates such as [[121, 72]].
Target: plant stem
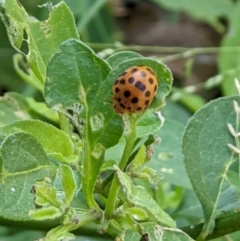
[[81, 219], [86, 178], [185, 52], [113, 192], [64, 124], [29, 77]]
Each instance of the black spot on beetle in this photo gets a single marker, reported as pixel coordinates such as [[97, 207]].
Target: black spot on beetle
[[127, 93], [134, 100], [122, 81], [131, 80], [134, 70], [151, 71], [140, 86], [122, 105], [150, 80], [148, 93]]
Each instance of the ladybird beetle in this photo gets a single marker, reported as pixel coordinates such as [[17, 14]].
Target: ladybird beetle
[[134, 89]]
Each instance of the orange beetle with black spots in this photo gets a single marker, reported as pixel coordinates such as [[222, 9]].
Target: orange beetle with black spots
[[134, 89]]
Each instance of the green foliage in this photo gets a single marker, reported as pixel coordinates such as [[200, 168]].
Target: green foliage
[[203, 10], [43, 37], [83, 167], [23, 162], [208, 173], [228, 62]]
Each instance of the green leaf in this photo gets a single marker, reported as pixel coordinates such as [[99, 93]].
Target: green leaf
[[175, 111], [15, 151], [201, 10], [54, 198], [11, 110], [229, 61], [23, 162], [136, 168], [43, 37], [69, 184], [59, 233], [189, 209], [167, 158], [138, 160], [139, 197], [117, 58], [20, 235], [46, 213], [14, 106], [207, 158], [42, 111], [136, 213], [92, 11], [98, 25], [149, 123], [46, 194], [154, 232], [129, 235], [75, 76], [52, 139]]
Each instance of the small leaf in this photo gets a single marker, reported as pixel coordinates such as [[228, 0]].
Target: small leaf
[[138, 160], [128, 235], [59, 233], [117, 58], [69, 184], [154, 232], [149, 174], [136, 213], [108, 166], [139, 197], [42, 110], [46, 195], [46, 213]]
